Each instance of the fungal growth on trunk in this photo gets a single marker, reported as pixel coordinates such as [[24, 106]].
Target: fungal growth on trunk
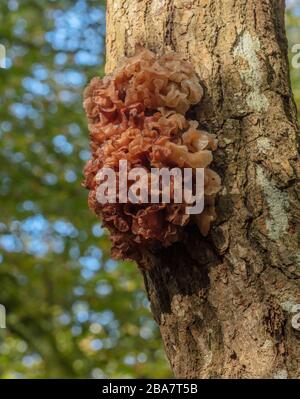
[[138, 114]]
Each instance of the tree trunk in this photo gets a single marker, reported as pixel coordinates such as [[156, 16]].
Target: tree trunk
[[225, 303]]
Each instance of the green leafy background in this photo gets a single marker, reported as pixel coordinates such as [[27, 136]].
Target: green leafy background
[[72, 312]]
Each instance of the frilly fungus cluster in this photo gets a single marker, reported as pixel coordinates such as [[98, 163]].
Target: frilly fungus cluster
[[138, 114]]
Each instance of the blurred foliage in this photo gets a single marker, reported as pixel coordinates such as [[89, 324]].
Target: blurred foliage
[[71, 310], [293, 32]]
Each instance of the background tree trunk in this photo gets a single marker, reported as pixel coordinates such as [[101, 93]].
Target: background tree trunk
[[225, 304]]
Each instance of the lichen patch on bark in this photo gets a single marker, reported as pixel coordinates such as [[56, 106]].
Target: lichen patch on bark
[[264, 144], [277, 201], [281, 375], [247, 49]]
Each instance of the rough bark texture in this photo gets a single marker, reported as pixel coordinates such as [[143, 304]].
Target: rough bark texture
[[225, 304]]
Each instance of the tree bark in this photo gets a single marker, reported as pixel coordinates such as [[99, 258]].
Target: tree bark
[[225, 303]]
